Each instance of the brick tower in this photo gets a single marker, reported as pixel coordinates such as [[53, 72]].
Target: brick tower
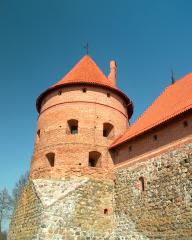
[[78, 119], [70, 192]]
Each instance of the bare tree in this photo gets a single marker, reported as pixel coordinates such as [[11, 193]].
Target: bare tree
[[5, 205], [19, 187]]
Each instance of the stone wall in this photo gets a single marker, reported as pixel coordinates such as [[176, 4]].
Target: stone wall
[[164, 209], [75, 208], [25, 220]]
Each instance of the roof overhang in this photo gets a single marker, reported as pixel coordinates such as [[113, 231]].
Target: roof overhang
[[116, 90]]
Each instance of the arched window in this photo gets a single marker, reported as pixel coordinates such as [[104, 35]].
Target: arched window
[[51, 158], [94, 159], [108, 130], [142, 183], [73, 126]]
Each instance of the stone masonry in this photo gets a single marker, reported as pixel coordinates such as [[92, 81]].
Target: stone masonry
[[78, 208], [164, 209]]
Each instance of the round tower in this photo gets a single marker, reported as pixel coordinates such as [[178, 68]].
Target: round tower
[[79, 117]]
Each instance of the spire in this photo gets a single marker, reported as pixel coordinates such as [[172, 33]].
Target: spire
[[87, 48], [172, 77]]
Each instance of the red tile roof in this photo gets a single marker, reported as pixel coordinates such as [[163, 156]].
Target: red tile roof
[[174, 100], [86, 72]]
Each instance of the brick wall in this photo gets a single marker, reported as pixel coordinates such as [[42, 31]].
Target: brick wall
[[157, 140], [91, 108]]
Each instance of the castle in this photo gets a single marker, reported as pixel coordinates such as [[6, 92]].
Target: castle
[[93, 176]]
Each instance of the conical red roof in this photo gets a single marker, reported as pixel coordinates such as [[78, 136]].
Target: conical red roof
[[88, 73], [174, 100]]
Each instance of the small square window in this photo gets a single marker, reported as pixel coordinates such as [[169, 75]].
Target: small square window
[[73, 126], [105, 211], [94, 159]]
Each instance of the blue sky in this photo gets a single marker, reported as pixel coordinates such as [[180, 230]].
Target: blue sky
[[41, 40]]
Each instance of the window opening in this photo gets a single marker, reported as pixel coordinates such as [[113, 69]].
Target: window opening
[[185, 123], [94, 159], [51, 158], [155, 137], [105, 211], [73, 126], [108, 130], [142, 182]]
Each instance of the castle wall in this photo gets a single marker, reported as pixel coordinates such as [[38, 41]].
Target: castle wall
[[157, 140], [164, 209], [91, 108], [72, 209], [26, 218]]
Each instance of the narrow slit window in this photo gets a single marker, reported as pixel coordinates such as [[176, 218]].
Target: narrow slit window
[[185, 123], [38, 133], [73, 126], [94, 159], [38, 136], [142, 183], [108, 130], [155, 137], [51, 158]]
